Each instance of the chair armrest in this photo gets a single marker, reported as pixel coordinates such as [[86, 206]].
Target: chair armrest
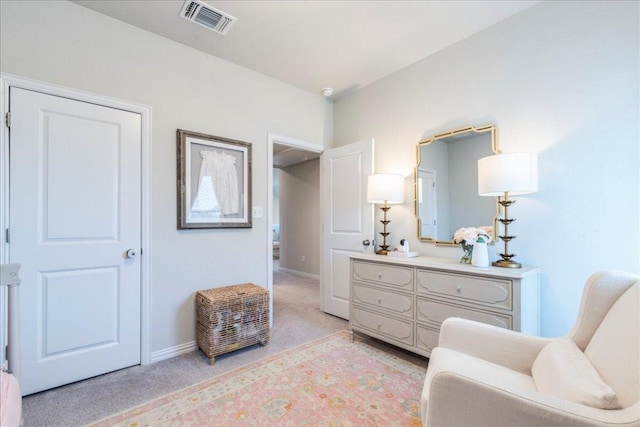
[[501, 346], [461, 390]]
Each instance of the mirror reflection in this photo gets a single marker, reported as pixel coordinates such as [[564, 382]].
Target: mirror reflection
[[446, 182]]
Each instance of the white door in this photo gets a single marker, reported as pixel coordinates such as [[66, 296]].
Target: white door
[[75, 206], [427, 202], [347, 219]]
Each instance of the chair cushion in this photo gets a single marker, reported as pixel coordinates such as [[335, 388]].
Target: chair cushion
[[563, 371], [614, 349]]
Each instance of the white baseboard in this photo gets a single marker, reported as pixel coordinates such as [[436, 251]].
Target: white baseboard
[[174, 351], [300, 273]]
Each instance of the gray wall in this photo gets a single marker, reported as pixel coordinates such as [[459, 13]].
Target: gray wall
[[276, 198], [560, 79], [66, 44], [300, 217]]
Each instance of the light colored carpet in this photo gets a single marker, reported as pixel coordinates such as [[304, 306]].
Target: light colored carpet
[[297, 320], [327, 382]]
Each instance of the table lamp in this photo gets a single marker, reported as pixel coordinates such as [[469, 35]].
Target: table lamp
[[386, 189], [505, 175]]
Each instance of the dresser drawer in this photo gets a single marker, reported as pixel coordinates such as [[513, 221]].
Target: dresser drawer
[[392, 328], [435, 312], [485, 291], [393, 276], [426, 338], [401, 305]]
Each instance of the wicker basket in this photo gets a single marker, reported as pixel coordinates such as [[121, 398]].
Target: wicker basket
[[231, 317]]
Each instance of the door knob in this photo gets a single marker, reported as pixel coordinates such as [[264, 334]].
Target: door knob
[[131, 253], [366, 242]]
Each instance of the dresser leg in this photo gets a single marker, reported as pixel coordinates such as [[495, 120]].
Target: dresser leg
[[351, 336]]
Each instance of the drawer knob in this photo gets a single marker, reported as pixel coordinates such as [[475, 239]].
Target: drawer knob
[[379, 275], [379, 325], [459, 289], [379, 300]]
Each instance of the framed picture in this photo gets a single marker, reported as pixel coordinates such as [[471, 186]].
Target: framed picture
[[214, 182]]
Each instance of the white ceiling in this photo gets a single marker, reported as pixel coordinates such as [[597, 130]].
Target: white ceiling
[[316, 44]]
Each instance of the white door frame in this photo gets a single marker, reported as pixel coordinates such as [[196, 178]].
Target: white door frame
[[273, 138], [9, 80]]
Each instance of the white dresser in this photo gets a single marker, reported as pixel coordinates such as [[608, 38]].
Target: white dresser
[[404, 301]]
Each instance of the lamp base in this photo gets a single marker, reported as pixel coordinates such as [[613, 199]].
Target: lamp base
[[505, 263], [384, 233]]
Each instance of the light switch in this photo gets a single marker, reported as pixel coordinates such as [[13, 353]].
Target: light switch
[[256, 212]]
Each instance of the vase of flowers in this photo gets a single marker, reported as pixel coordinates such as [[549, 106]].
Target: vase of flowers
[[468, 253], [467, 238]]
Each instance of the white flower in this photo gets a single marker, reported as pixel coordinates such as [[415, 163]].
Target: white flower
[[469, 235]]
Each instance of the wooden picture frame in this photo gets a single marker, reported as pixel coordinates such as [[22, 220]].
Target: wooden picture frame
[[214, 181]]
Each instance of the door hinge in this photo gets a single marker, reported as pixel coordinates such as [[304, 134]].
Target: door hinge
[[7, 236], [7, 119]]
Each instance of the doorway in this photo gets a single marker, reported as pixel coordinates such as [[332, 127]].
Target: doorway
[[291, 164]]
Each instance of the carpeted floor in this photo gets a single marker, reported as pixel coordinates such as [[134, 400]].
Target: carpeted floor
[[297, 320]]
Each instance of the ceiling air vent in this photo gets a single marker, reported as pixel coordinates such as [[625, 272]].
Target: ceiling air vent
[[205, 15]]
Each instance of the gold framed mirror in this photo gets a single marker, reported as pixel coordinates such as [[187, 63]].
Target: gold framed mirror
[[446, 183]]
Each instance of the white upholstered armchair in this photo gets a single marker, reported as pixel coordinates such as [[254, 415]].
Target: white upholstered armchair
[[480, 375]]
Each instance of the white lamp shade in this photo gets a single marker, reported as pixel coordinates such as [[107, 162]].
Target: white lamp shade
[[513, 173], [385, 187]]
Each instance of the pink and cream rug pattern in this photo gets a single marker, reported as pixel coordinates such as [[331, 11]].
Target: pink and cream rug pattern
[[327, 382]]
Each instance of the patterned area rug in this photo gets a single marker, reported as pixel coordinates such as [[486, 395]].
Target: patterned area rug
[[327, 382]]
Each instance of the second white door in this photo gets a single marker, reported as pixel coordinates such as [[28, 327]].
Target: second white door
[[347, 219]]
